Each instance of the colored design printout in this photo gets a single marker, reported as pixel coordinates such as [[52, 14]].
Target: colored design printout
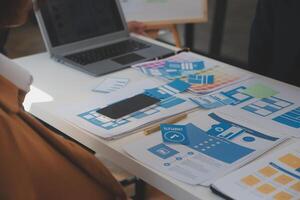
[[204, 149], [218, 76]]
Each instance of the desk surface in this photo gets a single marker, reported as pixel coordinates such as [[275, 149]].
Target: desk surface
[[56, 85]]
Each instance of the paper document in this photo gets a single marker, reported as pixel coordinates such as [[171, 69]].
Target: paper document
[[171, 103], [204, 77], [111, 85], [264, 103], [206, 148], [276, 176]]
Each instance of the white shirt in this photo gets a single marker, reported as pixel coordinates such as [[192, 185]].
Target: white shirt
[[15, 73]]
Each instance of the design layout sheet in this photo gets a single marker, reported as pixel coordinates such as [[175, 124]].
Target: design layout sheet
[[204, 77], [171, 103], [276, 176], [267, 104], [213, 146]]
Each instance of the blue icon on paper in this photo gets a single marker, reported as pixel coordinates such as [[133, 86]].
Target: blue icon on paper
[[163, 151], [167, 164], [249, 139], [178, 158], [174, 134]]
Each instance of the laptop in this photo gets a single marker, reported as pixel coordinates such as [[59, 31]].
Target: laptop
[[92, 36]]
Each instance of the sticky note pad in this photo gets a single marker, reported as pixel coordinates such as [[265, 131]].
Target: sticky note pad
[[179, 85], [174, 134], [157, 93], [260, 91]]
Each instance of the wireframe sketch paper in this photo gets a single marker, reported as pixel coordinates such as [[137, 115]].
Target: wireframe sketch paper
[[215, 146], [111, 85], [276, 176], [268, 104], [171, 103], [204, 77]]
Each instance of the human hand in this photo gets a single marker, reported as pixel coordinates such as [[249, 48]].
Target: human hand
[[137, 27]]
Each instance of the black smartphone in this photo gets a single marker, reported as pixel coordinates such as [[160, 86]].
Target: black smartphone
[[128, 106]]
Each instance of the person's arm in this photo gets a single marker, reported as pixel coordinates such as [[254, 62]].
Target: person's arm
[[137, 27]]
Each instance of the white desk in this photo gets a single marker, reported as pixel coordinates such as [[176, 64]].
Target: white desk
[[56, 85]]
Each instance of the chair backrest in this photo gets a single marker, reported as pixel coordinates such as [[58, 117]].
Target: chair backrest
[[15, 73]]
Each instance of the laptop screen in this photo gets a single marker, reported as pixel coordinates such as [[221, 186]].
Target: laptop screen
[[70, 21]]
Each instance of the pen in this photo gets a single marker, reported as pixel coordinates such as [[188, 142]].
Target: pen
[[172, 120], [172, 54]]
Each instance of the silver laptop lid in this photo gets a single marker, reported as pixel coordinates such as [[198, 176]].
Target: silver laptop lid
[[72, 25]]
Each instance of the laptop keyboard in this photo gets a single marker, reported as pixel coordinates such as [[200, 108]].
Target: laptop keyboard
[[105, 52]]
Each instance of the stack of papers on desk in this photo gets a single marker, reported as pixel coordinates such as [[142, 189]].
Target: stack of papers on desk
[[86, 116], [215, 146], [204, 77], [268, 104]]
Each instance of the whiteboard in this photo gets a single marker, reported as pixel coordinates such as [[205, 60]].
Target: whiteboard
[[165, 11]]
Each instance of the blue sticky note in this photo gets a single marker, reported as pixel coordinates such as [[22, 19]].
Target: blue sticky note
[[186, 66], [157, 93], [174, 134], [198, 65], [201, 79], [173, 65], [179, 85]]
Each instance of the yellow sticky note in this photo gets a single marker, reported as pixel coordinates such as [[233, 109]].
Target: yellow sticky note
[[291, 160], [283, 179], [296, 187], [250, 180], [283, 196], [268, 171], [260, 91], [266, 188]]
